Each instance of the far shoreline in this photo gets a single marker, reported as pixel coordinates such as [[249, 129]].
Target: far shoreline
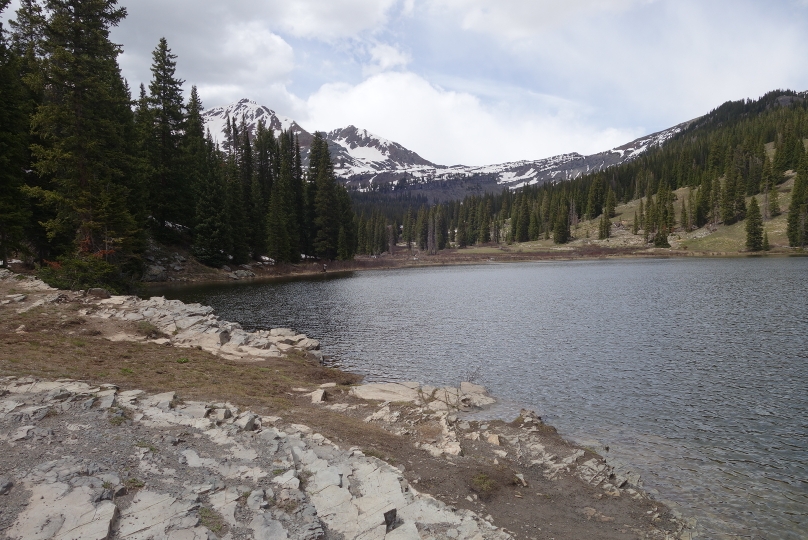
[[403, 260]]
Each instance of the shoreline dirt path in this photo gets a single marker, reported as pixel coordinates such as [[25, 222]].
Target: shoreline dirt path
[[106, 405]]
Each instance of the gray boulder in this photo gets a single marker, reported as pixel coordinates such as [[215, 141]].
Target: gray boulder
[[98, 293], [155, 272]]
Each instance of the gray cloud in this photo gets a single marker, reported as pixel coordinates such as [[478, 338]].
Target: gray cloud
[[470, 80]]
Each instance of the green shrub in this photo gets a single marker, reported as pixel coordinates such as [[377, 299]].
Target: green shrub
[[78, 272]]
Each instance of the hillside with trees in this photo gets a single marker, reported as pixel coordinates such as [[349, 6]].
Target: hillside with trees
[[702, 177]]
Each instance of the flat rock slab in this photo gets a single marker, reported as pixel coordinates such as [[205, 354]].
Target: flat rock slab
[[395, 392], [57, 512], [152, 513]]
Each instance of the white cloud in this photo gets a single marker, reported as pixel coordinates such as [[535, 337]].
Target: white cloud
[[450, 127], [519, 19], [329, 20], [256, 54], [686, 58], [385, 57]]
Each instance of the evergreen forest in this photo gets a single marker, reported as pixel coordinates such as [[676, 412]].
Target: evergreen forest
[[740, 149], [92, 174]]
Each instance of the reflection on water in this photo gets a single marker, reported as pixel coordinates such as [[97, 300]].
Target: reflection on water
[[692, 371]]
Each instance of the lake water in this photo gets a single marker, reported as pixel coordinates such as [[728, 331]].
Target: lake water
[[693, 372]]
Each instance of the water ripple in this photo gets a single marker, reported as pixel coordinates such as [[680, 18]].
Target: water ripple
[[693, 372]]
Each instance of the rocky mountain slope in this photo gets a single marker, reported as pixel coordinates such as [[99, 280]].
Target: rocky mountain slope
[[362, 158]]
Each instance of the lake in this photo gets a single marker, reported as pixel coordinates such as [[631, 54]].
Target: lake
[[694, 372]]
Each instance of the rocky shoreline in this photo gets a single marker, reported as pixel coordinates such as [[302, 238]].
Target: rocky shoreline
[[85, 460]]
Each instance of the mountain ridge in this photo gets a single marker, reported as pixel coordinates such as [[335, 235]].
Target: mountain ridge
[[363, 160]]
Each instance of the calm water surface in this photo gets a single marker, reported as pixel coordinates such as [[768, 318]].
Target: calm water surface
[[693, 372]]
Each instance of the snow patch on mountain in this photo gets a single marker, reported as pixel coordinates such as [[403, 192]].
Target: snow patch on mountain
[[361, 157], [251, 113]]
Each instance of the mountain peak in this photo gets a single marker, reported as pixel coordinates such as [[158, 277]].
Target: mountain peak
[[361, 157], [251, 113]]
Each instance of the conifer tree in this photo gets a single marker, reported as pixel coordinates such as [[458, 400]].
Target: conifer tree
[[774, 202], [83, 129], [728, 202], [767, 186], [683, 218], [533, 227], [766, 246], [13, 139], [171, 202], [561, 230], [327, 209], [798, 209], [523, 222], [610, 204], [194, 149], [641, 216], [212, 235], [462, 240], [283, 236], [754, 227]]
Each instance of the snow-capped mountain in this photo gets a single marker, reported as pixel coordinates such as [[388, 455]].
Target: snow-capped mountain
[[357, 151], [216, 120], [362, 158]]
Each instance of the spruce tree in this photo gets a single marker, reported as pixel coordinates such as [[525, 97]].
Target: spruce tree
[[523, 223], [326, 204], [212, 230], [610, 204], [347, 246], [561, 230], [766, 241], [797, 210], [83, 129], [683, 218], [774, 202], [171, 201], [754, 227], [194, 150], [13, 139], [728, 212]]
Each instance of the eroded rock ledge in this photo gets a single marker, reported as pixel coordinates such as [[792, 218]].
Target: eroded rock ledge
[[92, 462], [195, 325]]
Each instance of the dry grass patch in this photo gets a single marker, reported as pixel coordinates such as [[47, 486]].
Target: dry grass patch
[[46, 350]]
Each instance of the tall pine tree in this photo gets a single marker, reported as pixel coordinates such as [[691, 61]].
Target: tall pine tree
[[172, 202], [83, 128]]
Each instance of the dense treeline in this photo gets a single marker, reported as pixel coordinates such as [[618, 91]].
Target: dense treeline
[[722, 157], [88, 175]]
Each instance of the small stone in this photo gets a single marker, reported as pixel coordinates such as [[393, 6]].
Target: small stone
[[390, 519], [97, 292], [318, 396], [494, 439], [5, 486], [256, 500], [246, 422]]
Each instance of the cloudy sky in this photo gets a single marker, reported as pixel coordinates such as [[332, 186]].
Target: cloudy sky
[[478, 81]]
